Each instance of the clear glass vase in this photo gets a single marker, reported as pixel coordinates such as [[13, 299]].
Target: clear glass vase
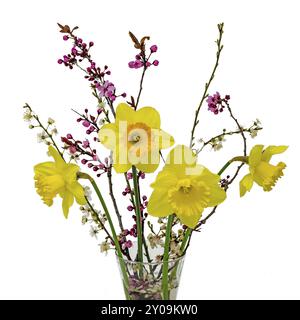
[[145, 279]]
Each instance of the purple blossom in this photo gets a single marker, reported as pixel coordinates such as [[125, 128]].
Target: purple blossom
[[86, 123], [216, 103], [135, 64], [153, 48], [85, 144], [107, 89]]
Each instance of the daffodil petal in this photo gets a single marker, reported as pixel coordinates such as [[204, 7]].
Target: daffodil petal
[[165, 179], [158, 205], [217, 195], [246, 184], [271, 150], [181, 155], [70, 172], [149, 116], [108, 135], [147, 168], [56, 156], [190, 220], [121, 168], [78, 192], [207, 176], [67, 202], [255, 155], [124, 112]]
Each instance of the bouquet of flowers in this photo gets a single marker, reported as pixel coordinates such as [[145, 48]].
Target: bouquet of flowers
[[151, 250]]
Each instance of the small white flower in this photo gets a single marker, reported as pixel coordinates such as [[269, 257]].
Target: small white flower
[[42, 136], [93, 232], [101, 217], [50, 121], [159, 258], [257, 121], [88, 192], [253, 133], [101, 122], [155, 241], [54, 132], [217, 146], [104, 246], [27, 116], [175, 248], [84, 219]]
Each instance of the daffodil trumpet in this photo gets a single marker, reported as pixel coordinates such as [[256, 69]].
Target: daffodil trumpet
[[184, 188], [135, 138], [58, 178]]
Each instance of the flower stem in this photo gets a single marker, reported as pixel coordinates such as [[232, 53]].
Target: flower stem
[[228, 163], [113, 231], [165, 278], [185, 239], [138, 215]]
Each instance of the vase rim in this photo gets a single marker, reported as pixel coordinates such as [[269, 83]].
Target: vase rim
[[151, 263]]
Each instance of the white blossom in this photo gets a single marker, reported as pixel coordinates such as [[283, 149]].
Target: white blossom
[[104, 246], [27, 116], [42, 136], [93, 232]]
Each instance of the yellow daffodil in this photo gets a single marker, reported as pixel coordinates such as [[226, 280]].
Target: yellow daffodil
[[58, 178], [135, 138], [184, 188], [261, 171]]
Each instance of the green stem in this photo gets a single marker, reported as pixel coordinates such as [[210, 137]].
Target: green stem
[[113, 231], [185, 239], [138, 214], [165, 278], [228, 163]]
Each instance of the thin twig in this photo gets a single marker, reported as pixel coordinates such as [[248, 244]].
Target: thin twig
[[205, 94], [87, 119], [109, 102], [240, 128], [141, 86], [111, 193], [98, 220], [226, 134], [45, 129]]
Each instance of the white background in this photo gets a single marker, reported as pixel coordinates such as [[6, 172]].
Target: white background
[[250, 248]]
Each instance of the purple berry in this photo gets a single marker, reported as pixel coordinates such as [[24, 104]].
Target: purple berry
[[131, 64], [85, 123], [153, 48]]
